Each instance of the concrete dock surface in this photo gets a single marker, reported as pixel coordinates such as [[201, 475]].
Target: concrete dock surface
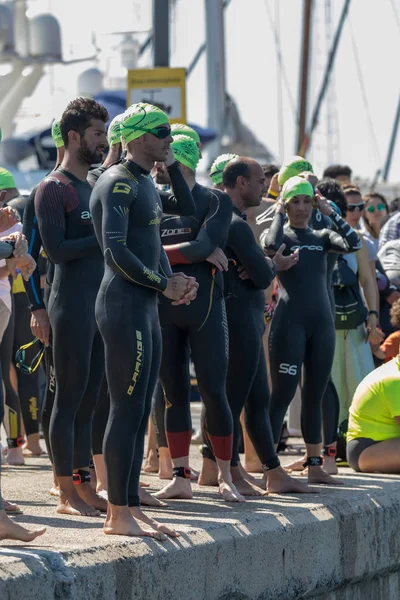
[[342, 544]]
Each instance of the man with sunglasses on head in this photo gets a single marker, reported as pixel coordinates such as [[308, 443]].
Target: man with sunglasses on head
[[65, 225], [127, 211]]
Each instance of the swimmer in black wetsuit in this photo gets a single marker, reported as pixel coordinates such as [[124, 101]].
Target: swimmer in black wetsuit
[[62, 209], [126, 209], [247, 382], [194, 245], [302, 330]]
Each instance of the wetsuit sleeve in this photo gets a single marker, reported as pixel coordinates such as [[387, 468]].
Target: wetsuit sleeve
[[31, 231], [342, 237], [272, 239], [181, 202], [241, 240], [165, 267], [213, 233], [117, 199], [52, 201]]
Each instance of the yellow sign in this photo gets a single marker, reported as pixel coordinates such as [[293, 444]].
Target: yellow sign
[[162, 86]]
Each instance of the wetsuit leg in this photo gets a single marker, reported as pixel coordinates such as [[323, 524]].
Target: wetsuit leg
[[73, 335], [49, 395], [245, 343], [124, 318], [28, 385], [318, 361], [330, 413], [158, 409], [175, 378], [100, 418], [84, 416], [256, 413], [13, 418], [209, 345], [156, 341], [287, 340]]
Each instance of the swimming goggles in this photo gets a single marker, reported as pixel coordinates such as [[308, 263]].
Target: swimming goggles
[[21, 354]]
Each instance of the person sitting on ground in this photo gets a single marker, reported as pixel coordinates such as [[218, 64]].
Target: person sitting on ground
[[373, 437]]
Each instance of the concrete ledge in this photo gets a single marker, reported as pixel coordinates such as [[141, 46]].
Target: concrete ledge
[[339, 545]]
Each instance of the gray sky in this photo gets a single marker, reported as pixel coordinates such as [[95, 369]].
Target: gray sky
[[362, 132]]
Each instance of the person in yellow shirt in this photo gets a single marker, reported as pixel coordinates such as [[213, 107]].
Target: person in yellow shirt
[[373, 437]]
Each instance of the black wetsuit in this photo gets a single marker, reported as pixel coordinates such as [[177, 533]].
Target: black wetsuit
[[62, 209], [126, 210], [94, 175], [247, 381], [330, 401], [28, 385], [302, 329], [200, 327], [39, 301]]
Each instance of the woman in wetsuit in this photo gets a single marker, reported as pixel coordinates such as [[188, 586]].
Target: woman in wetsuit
[[302, 330]]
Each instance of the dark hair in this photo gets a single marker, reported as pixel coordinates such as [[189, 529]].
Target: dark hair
[[234, 169], [395, 314], [270, 169], [334, 171], [394, 205], [367, 223], [331, 190], [351, 190], [78, 115]]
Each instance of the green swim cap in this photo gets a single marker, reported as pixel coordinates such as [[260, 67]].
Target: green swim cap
[[219, 165], [140, 117], [7, 181], [114, 131], [186, 151], [182, 129], [56, 134], [296, 186], [295, 166]]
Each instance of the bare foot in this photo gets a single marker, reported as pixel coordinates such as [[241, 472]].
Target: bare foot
[[140, 516], [89, 495], [318, 475], [143, 484], [247, 489], [253, 466], [151, 464], [209, 473], [296, 465], [127, 525], [330, 465], [32, 451], [279, 482], [179, 487], [147, 499], [256, 481], [54, 491], [11, 508], [75, 506], [14, 456], [229, 493], [9, 530]]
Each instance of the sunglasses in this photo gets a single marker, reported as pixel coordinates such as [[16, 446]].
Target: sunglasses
[[160, 132], [354, 207], [380, 207], [20, 358]]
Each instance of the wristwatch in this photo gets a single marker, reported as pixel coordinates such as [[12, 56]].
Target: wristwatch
[[373, 312]]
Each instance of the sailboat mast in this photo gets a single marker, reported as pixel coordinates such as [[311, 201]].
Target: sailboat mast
[[305, 69]]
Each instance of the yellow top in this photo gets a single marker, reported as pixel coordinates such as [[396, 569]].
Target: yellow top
[[18, 285], [375, 404]]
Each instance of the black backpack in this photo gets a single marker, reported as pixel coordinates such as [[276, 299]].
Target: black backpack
[[351, 311]]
